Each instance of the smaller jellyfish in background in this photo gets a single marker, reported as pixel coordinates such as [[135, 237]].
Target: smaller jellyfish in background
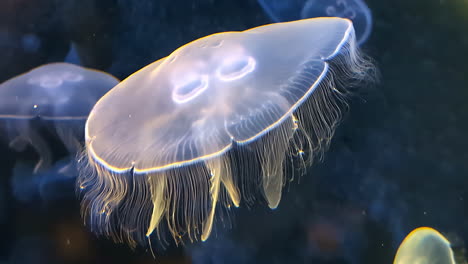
[[55, 98], [224, 112], [289, 10], [427, 245]]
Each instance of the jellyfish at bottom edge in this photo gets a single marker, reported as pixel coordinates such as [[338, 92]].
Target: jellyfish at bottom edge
[[427, 245], [355, 10], [220, 119]]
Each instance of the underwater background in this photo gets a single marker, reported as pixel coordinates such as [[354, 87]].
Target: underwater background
[[398, 160]]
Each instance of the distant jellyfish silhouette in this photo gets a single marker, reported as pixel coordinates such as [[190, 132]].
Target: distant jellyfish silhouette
[[355, 10], [57, 96], [224, 112], [425, 245], [73, 56]]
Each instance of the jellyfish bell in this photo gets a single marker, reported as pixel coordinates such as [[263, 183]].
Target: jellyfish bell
[[426, 245], [56, 96], [183, 130]]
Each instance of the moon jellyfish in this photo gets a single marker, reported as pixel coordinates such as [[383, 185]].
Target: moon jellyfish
[[425, 245], [355, 10], [57, 96], [206, 125]]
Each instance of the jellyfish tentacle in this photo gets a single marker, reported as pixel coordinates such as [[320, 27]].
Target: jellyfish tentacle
[[39, 145], [238, 135], [231, 189], [45, 155], [214, 190], [217, 167], [272, 161], [272, 181], [18, 144], [25, 136], [157, 188], [70, 140]]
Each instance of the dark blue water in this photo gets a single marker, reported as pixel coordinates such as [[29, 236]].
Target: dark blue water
[[398, 161]]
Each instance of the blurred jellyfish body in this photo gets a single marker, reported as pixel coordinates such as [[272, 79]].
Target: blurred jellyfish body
[[355, 10], [55, 97], [203, 127], [50, 185], [425, 245]]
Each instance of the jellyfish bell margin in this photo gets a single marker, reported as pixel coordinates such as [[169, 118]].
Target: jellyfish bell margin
[[176, 149]]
